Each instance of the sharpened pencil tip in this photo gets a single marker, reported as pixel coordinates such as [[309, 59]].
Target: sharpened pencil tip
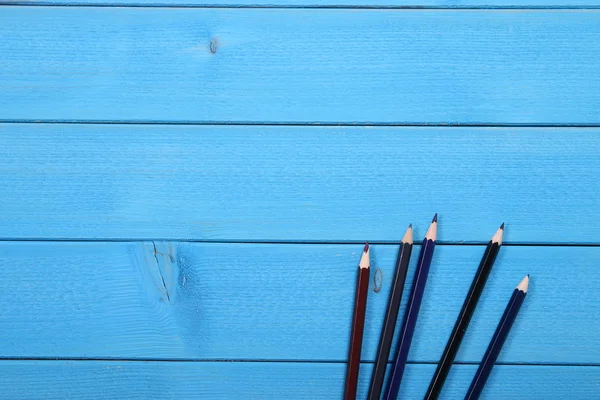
[[364, 258], [432, 230], [497, 238], [524, 284], [408, 235]]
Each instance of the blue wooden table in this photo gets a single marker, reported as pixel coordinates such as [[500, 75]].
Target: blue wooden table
[[186, 187]]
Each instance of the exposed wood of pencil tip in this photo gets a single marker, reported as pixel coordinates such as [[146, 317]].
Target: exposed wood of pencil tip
[[524, 284], [497, 238], [365, 259], [432, 231], [408, 235]]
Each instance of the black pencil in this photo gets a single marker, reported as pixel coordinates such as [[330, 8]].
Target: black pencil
[[358, 324], [391, 315], [495, 346], [464, 317], [412, 310]]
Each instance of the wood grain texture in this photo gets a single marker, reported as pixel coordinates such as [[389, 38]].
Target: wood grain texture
[[298, 183], [177, 380], [298, 65], [279, 302], [438, 4]]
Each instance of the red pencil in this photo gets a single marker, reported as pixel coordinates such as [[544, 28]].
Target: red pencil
[[358, 324]]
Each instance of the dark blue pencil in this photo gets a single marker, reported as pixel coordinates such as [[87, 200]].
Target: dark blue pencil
[[465, 315], [412, 310], [391, 315], [495, 346]]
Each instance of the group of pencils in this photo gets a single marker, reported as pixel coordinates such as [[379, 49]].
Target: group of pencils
[[410, 319]]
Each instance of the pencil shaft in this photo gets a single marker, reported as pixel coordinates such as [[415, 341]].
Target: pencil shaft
[[462, 322], [495, 346], [389, 324], [356, 336], [410, 318]]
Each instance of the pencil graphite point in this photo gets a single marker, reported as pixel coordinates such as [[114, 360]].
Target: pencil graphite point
[[524, 284], [432, 230], [408, 235], [365, 261], [497, 238]]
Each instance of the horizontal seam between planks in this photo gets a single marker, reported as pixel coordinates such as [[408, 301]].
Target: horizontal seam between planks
[[298, 124], [280, 361], [287, 242], [296, 6]]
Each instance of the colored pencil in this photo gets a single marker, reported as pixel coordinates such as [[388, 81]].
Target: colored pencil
[[464, 317], [495, 346], [358, 324], [412, 310], [391, 315]]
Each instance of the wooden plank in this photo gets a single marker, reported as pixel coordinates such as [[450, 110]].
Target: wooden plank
[[279, 302], [181, 380], [386, 4], [298, 183], [442, 4], [349, 66]]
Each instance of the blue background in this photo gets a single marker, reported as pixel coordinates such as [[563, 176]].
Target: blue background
[[187, 187]]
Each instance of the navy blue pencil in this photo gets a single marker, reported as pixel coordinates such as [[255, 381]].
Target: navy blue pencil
[[412, 310], [495, 346]]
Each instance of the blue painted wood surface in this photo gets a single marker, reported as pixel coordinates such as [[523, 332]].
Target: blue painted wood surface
[[361, 4], [298, 183], [197, 301], [222, 380], [141, 254], [300, 66]]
